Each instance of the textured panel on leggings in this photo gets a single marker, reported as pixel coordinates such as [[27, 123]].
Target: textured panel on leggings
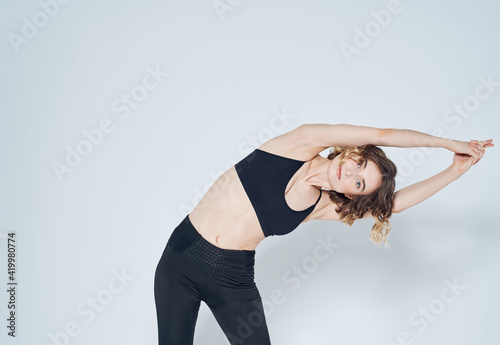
[[218, 261]]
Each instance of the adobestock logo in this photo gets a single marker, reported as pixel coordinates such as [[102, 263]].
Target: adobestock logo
[[463, 110], [456, 114], [218, 181], [430, 312], [223, 6], [94, 137], [295, 276], [363, 37], [30, 28], [91, 306]]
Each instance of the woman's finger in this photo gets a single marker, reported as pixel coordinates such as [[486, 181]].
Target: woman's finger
[[480, 147], [483, 142], [473, 145], [475, 150], [480, 156], [479, 150], [476, 160]]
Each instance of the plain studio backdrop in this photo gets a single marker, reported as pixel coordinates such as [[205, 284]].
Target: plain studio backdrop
[[118, 115]]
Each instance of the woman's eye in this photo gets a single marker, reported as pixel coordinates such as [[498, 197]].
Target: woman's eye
[[358, 184]]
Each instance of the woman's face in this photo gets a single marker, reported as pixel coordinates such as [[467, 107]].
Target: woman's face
[[352, 178]]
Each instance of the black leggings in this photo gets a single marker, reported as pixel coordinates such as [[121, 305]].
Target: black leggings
[[191, 270]]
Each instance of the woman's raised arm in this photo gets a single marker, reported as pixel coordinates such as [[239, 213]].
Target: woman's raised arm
[[418, 192], [323, 136]]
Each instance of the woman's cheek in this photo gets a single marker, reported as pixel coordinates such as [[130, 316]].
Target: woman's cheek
[[346, 188]]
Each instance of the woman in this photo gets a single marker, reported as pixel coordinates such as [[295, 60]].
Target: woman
[[210, 255]]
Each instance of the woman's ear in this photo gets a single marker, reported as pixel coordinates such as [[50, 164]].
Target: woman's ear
[[348, 196]]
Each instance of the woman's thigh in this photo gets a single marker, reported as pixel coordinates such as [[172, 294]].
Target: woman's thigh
[[177, 298], [237, 307]]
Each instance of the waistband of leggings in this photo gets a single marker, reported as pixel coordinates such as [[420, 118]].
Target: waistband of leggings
[[186, 240]]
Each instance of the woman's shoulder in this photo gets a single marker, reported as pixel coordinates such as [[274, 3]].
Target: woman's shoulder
[[291, 144]]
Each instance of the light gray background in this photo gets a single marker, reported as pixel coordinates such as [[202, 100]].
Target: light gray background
[[230, 76]]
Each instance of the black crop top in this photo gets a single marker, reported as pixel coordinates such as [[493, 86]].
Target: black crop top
[[264, 177]]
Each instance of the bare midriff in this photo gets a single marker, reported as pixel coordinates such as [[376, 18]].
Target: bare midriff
[[225, 216]]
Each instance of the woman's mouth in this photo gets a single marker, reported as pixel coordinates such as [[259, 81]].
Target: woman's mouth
[[339, 171]]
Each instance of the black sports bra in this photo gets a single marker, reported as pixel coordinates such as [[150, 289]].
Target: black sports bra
[[264, 177]]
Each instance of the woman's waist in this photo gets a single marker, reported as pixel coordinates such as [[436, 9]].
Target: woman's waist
[[225, 232], [219, 261]]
